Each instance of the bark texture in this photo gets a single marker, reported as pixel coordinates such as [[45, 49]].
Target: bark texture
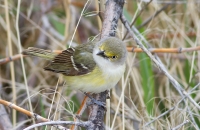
[[113, 11]]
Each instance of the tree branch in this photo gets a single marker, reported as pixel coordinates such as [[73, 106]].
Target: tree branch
[[28, 113], [113, 10]]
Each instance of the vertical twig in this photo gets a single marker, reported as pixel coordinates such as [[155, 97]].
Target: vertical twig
[[12, 70], [113, 11], [68, 19], [21, 57]]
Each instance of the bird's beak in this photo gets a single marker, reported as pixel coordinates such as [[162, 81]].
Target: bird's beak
[[101, 53]]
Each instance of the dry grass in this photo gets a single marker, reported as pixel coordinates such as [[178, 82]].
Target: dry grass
[[143, 95]]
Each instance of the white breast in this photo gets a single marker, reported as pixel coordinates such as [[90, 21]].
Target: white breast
[[111, 72]]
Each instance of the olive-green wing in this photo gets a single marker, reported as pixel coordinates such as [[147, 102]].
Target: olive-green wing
[[73, 61]]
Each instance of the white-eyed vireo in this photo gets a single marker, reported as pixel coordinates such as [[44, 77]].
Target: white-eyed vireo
[[90, 67]]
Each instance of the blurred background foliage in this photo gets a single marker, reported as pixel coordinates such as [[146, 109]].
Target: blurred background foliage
[[51, 24]]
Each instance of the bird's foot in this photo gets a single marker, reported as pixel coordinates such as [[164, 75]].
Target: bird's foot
[[94, 101]]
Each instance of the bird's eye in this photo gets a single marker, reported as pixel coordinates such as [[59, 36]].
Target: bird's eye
[[113, 57]]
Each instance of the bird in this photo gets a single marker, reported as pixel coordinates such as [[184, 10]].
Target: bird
[[93, 67]]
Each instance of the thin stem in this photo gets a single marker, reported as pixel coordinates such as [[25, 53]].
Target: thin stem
[[12, 70]]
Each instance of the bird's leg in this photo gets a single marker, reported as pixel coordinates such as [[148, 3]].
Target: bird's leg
[[94, 101]]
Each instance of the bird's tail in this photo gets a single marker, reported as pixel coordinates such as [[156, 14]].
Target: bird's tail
[[45, 54]]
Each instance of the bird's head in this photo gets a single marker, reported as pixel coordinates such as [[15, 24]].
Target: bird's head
[[112, 49]]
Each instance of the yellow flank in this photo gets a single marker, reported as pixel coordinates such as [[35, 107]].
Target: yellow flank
[[91, 82]]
